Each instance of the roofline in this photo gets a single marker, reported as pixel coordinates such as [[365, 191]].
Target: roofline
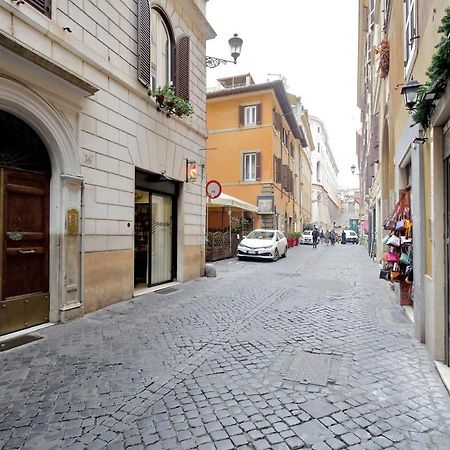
[[280, 91]]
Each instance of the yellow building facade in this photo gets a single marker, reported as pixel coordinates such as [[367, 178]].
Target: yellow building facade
[[258, 150], [397, 153]]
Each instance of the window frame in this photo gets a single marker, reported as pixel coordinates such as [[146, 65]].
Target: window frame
[[245, 170], [253, 109], [169, 50], [409, 34]]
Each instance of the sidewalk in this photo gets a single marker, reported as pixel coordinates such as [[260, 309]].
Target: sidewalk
[[307, 352]]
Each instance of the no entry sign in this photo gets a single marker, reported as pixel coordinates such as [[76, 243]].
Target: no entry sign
[[213, 189]]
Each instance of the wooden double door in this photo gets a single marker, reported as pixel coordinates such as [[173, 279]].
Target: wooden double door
[[24, 230]]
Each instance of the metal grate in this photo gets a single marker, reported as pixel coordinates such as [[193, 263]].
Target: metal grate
[[16, 342], [166, 291], [310, 368]]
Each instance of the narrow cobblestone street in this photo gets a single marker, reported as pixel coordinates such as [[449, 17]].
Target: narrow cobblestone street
[[309, 352]]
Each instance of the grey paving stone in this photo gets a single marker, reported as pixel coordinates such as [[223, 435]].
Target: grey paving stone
[[312, 432]]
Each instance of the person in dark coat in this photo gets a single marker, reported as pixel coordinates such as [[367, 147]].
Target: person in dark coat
[[343, 237], [315, 236]]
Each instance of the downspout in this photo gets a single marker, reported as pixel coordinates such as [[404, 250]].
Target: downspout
[[418, 219], [82, 250]]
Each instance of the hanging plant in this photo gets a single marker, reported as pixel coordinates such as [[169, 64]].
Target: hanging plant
[[169, 103], [383, 53], [438, 75]]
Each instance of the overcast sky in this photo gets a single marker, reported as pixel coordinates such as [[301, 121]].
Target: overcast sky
[[313, 43]]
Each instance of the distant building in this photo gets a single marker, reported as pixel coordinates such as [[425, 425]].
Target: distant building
[[259, 151], [325, 198]]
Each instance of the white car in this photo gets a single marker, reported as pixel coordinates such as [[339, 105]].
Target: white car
[[351, 236], [306, 237], [267, 244]]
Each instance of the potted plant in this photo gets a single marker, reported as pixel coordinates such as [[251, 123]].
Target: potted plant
[[169, 103], [383, 52]]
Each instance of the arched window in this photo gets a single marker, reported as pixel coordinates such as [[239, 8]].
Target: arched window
[[157, 51], [160, 51]]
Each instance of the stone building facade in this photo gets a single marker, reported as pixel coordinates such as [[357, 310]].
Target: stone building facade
[[115, 208]]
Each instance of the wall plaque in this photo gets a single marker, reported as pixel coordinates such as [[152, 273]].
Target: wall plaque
[[72, 221]]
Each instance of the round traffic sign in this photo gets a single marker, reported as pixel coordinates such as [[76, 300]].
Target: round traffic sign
[[213, 189]]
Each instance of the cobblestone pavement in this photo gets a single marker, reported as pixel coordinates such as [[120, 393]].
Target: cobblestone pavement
[[309, 352]]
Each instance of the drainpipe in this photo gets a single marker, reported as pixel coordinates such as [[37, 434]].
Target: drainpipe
[[82, 226], [418, 219]]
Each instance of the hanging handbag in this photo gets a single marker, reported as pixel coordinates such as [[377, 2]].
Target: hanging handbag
[[385, 239], [404, 258], [400, 226], [391, 257], [385, 274], [389, 224], [394, 240], [397, 276], [409, 274]]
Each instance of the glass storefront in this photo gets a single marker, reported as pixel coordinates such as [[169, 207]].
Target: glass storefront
[[155, 230]]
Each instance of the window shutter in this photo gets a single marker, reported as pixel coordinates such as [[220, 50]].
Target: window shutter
[[241, 116], [278, 179], [182, 73], [280, 122], [44, 6], [284, 176], [258, 166], [258, 114], [144, 61], [243, 167]]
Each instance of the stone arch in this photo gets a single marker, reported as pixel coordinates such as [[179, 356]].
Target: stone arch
[[61, 142], [53, 129]]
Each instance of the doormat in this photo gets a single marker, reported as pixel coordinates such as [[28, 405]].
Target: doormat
[[166, 291], [17, 342]]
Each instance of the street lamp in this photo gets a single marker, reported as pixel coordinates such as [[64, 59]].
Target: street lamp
[[235, 43], [353, 168], [410, 91]]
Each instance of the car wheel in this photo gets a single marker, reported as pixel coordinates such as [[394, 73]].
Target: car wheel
[[276, 255], [285, 253]]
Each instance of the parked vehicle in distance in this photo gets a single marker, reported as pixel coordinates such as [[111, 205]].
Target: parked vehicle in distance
[[306, 237], [351, 236], [266, 244]]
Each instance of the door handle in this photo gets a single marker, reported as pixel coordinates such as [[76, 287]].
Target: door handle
[[27, 251]]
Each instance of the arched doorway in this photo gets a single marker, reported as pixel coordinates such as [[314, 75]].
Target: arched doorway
[[25, 172]]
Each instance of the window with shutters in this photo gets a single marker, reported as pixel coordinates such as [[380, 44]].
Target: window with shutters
[[160, 51], [249, 166], [159, 65], [250, 115], [44, 6], [410, 30]]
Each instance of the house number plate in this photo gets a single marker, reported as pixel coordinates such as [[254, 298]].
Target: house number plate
[[72, 221]]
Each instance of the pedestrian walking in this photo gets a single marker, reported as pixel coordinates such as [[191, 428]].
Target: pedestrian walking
[[332, 237], [322, 236], [343, 237], [315, 236], [327, 238]]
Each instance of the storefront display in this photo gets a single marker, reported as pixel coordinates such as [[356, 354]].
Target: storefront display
[[397, 261]]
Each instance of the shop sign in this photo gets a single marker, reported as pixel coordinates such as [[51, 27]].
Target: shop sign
[[72, 221], [265, 204]]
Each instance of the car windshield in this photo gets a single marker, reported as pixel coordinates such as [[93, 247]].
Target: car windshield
[[307, 232], [261, 235]]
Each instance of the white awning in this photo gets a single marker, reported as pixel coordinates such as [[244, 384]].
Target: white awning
[[224, 200]]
